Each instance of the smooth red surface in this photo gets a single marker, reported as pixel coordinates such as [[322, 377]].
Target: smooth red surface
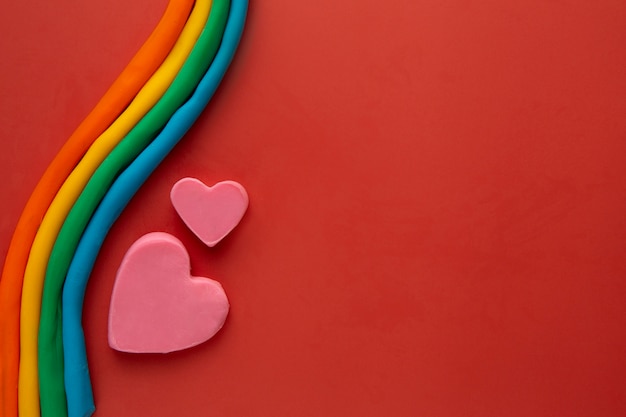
[[437, 197]]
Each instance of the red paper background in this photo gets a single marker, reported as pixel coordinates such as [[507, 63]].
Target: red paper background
[[437, 189]]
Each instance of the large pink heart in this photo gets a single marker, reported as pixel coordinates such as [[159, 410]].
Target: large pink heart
[[210, 212], [157, 306]]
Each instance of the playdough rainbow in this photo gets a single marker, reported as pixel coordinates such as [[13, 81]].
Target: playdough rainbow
[[57, 240]]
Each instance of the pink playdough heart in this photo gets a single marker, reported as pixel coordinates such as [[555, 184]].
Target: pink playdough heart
[[210, 212], [157, 306]]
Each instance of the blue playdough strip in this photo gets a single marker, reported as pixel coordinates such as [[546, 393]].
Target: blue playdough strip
[[77, 382]]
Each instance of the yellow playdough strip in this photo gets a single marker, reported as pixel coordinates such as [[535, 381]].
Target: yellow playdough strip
[[34, 275]]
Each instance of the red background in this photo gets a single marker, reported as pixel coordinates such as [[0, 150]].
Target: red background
[[437, 188]]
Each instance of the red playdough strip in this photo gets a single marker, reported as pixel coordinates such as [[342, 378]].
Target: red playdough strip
[[115, 100]]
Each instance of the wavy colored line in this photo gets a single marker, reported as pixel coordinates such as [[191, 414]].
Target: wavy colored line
[[51, 379], [33, 282], [77, 384], [117, 97]]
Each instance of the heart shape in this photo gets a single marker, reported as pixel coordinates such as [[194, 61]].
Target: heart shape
[[156, 305], [210, 212]]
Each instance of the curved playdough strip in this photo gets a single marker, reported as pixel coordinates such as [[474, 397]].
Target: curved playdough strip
[[51, 380], [121, 92], [77, 384], [44, 240]]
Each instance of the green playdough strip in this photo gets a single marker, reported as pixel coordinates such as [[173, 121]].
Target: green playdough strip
[[51, 379]]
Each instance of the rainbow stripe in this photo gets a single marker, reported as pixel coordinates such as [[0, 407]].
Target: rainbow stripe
[[89, 200]]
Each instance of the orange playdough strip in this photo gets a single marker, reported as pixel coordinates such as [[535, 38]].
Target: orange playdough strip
[[115, 100]]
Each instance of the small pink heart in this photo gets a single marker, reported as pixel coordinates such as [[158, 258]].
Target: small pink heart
[[156, 305], [210, 212]]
